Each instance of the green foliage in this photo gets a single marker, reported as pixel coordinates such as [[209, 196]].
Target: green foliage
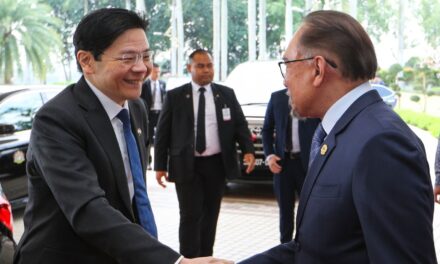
[[376, 16], [29, 26], [389, 76], [415, 98], [421, 120], [159, 30], [421, 75], [429, 16]]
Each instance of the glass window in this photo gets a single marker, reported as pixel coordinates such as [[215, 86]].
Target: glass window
[[47, 95], [19, 109]]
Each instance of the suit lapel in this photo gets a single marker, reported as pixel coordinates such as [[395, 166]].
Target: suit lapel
[[98, 121], [149, 94], [188, 105], [136, 127], [219, 104], [330, 142]]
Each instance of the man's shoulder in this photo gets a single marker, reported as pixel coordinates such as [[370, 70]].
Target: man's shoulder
[[180, 89], [282, 92], [222, 87], [146, 83]]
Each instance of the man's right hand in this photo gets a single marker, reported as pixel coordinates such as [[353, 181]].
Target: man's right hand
[[437, 193], [205, 260], [274, 167], [160, 176]]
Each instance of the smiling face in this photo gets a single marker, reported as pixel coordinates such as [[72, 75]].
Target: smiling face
[[116, 79]]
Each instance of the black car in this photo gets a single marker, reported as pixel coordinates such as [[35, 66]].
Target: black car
[[7, 243], [253, 84], [17, 110]]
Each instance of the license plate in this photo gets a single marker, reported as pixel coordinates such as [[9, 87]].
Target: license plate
[[259, 162]]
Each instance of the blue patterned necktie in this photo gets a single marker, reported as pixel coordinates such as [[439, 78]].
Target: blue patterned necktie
[[317, 140], [143, 206]]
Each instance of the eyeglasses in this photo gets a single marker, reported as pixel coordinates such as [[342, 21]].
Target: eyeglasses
[[283, 64], [130, 59]]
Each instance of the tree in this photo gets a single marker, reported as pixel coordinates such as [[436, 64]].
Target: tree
[[27, 29], [422, 76], [429, 14]]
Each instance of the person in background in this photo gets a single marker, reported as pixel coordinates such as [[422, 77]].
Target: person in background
[[87, 157], [437, 173], [195, 147], [367, 196], [153, 93], [286, 143]]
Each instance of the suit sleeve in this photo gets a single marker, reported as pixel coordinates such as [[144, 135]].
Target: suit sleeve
[[60, 156], [242, 133], [268, 129], [394, 200], [163, 136]]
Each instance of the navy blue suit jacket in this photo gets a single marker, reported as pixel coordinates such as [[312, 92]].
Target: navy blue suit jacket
[[277, 113], [367, 197]]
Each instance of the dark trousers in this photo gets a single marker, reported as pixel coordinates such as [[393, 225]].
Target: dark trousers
[[153, 117], [286, 184], [199, 204]]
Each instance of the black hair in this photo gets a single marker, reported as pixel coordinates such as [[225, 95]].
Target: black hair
[[338, 34], [195, 52], [99, 29]]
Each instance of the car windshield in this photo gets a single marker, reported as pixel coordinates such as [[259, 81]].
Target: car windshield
[[19, 109], [254, 82]]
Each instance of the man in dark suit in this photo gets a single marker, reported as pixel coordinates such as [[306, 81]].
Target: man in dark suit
[[367, 197], [153, 93], [196, 137], [286, 143], [86, 159]]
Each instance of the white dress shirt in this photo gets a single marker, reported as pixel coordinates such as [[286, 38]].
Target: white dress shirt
[[211, 126], [112, 109], [157, 100], [295, 135], [335, 112]]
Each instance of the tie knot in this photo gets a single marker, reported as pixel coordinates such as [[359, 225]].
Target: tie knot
[[124, 117], [202, 89]]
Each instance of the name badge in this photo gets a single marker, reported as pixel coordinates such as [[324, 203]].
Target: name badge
[[226, 112]]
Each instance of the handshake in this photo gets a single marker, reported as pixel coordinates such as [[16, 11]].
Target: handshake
[[205, 260]]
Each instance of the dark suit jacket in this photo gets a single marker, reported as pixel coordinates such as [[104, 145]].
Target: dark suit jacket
[[367, 198], [148, 96], [79, 208], [277, 114], [175, 139]]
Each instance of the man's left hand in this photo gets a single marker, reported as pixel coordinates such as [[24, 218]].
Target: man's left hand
[[249, 160]]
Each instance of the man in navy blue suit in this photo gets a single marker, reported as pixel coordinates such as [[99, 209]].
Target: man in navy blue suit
[[286, 143], [367, 196]]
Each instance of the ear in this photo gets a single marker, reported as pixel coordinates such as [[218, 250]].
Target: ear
[[319, 68], [86, 61]]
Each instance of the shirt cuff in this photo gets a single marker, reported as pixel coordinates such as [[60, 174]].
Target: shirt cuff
[[268, 158], [178, 260]]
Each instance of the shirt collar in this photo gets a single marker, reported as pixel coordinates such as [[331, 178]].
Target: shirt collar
[[110, 106], [335, 112], [196, 87]]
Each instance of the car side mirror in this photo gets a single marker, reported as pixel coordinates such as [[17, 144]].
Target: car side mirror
[[6, 129]]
